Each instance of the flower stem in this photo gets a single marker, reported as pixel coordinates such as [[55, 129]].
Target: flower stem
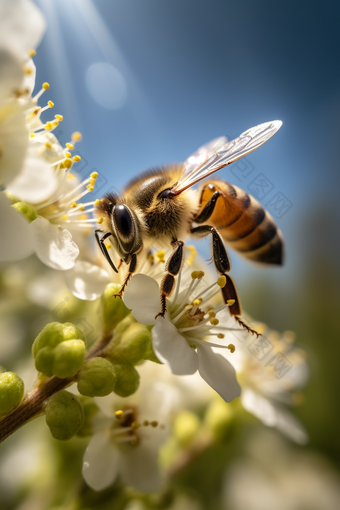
[[33, 405]]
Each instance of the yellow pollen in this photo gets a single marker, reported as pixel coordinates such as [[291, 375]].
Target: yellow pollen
[[160, 255], [92, 182], [55, 123], [49, 126], [64, 217], [76, 158], [36, 110], [220, 335], [70, 176], [45, 85], [74, 204], [134, 441], [214, 321], [32, 53], [221, 281], [197, 302], [76, 136], [146, 423], [94, 175], [119, 414], [151, 257], [212, 314], [67, 163], [108, 246], [231, 348], [50, 104], [230, 302], [135, 425], [68, 154], [154, 423], [83, 217], [100, 220], [48, 145], [197, 275], [97, 202], [70, 146], [27, 70], [192, 255], [32, 135], [90, 188], [82, 208], [59, 117]]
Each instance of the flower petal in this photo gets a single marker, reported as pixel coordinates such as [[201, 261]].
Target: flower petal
[[54, 245], [15, 233], [86, 281], [22, 26], [101, 462], [217, 372], [36, 181], [140, 468], [11, 74], [172, 348], [142, 298]]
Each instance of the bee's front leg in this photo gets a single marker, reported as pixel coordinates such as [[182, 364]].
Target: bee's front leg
[[173, 267], [132, 269]]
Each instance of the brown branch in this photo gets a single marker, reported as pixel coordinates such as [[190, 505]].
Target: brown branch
[[33, 404]]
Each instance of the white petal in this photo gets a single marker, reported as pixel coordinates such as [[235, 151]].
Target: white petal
[[140, 468], [142, 298], [101, 462], [218, 372], [28, 83], [86, 281], [11, 74], [272, 415], [172, 348], [15, 233], [37, 180], [54, 245], [13, 142], [22, 26]]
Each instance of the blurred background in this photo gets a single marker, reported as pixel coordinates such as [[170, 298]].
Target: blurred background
[[148, 82]]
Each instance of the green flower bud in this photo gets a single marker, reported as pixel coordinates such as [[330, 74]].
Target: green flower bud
[[134, 343], [97, 378], [90, 410], [68, 358], [186, 426], [26, 210], [64, 415], [11, 392], [54, 333], [123, 325], [127, 378], [113, 309], [44, 361]]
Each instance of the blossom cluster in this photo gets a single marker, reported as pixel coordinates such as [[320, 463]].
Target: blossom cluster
[[134, 394]]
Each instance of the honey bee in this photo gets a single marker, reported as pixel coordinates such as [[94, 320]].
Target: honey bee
[[160, 206]]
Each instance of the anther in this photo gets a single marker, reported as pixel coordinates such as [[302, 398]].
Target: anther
[[68, 154], [76, 158], [100, 220], [76, 136], [214, 321], [74, 204], [32, 135], [50, 104], [32, 53], [108, 246], [49, 126], [135, 425], [230, 302], [154, 423], [221, 282], [231, 348], [27, 70], [119, 414], [94, 175], [64, 217], [211, 314], [69, 146], [146, 423], [48, 145], [97, 201], [59, 117], [220, 335], [55, 123], [45, 85], [67, 163]]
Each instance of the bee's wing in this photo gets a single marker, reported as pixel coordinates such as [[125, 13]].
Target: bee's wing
[[214, 156]]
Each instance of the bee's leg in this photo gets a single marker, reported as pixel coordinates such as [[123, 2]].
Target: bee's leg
[[209, 207], [173, 267], [222, 264], [101, 244], [132, 269]]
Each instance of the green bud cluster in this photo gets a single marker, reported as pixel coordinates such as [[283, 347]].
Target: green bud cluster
[[11, 392], [97, 378], [64, 415], [59, 350], [113, 310]]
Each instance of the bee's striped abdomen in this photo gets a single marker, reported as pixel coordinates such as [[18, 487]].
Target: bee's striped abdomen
[[243, 223]]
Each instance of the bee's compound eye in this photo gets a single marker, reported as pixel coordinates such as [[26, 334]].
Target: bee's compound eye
[[167, 193], [123, 221]]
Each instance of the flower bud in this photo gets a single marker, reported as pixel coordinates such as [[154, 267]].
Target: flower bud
[[26, 210], [123, 325], [64, 415], [186, 426], [113, 309], [11, 392], [134, 343], [90, 410], [44, 361], [68, 358], [97, 378], [127, 377]]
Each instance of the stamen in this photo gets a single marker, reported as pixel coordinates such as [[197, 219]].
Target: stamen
[[59, 117], [76, 136], [32, 53], [70, 146]]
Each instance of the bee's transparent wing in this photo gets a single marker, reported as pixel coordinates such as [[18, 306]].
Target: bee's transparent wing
[[204, 163], [203, 153]]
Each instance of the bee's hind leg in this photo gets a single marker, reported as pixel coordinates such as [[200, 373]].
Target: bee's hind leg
[[132, 269], [173, 267], [223, 266]]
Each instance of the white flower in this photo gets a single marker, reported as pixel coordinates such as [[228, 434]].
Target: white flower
[[179, 339], [129, 433], [271, 382]]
